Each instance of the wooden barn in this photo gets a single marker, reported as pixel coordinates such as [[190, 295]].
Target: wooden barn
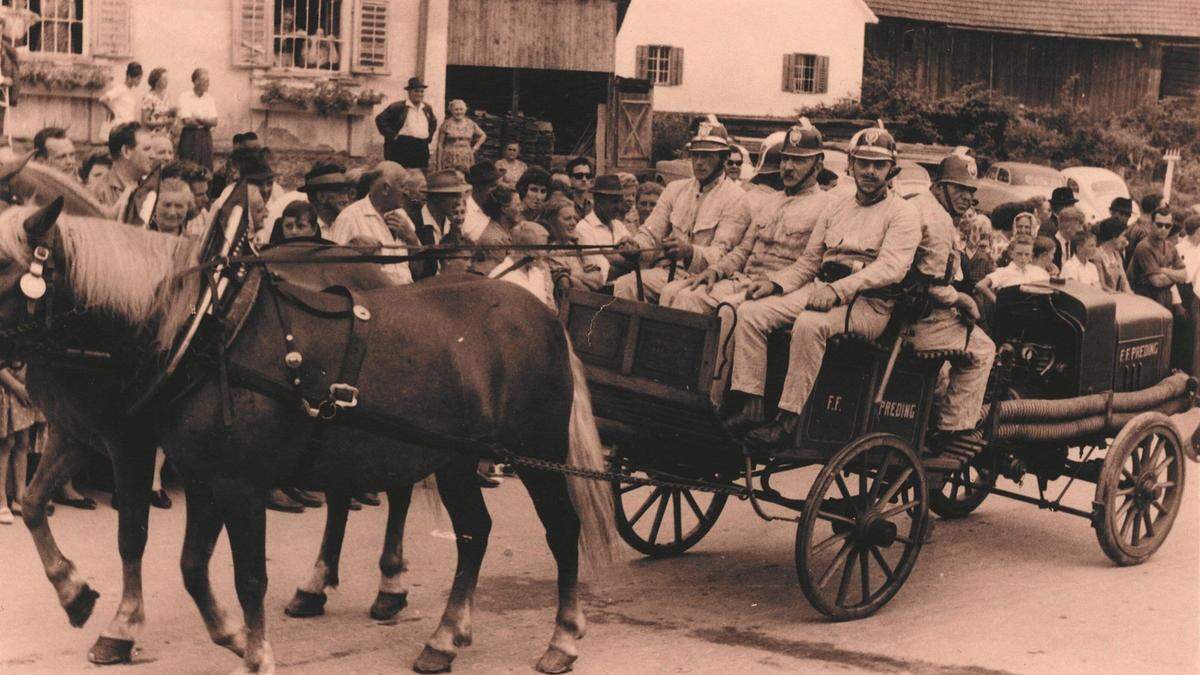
[[548, 59], [1113, 54]]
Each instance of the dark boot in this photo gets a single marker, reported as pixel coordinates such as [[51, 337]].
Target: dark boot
[[278, 501], [310, 499], [368, 499], [750, 416], [775, 435]]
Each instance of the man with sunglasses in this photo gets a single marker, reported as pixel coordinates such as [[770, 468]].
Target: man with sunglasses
[[733, 165], [1156, 267], [695, 223], [583, 174]]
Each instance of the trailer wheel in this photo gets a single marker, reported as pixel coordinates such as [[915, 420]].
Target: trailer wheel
[[862, 527], [660, 521], [963, 491], [1140, 489]]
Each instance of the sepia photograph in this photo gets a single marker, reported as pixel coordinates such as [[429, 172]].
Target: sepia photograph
[[599, 336]]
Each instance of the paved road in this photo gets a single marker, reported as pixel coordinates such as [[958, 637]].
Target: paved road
[[1010, 589]]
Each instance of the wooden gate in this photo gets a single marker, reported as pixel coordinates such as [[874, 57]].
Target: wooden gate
[[631, 118]]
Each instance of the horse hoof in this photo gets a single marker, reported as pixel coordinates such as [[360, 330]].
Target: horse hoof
[[388, 605], [108, 651], [234, 642], [80, 609], [433, 661], [305, 605], [555, 661]]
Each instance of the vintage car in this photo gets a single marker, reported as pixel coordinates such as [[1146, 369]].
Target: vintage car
[[1096, 187], [1014, 182]]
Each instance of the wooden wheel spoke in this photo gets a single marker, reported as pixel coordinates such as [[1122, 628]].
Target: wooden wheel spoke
[[847, 575], [677, 505], [835, 518], [895, 487], [1137, 526], [1123, 492], [1161, 465], [955, 483], [694, 506], [1150, 457], [644, 507], [833, 566], [968, 483], [629, 488], [843, 489], [1165, 484], [1127, 522], [897, 510], [879, 476], [1135, 456], [658, 517], [1161, 509], [1127, 476], [862, 479], [1124, 507], [883, 564], [1149, 522], [829, 542], [864, 567]]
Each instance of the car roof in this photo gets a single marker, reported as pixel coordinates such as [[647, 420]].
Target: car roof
[[1026, 166], [1090, 172]]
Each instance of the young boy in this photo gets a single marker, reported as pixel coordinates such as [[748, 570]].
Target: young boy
[[1080, 266], [1021, 270], [1044, 249]]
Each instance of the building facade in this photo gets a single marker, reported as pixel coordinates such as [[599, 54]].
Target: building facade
[[762, 58], [267, 59]]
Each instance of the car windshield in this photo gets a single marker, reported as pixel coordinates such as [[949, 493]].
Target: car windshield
[[1039, 178]]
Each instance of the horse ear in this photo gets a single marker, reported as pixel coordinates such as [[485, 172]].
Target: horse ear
[[38, 224], [13, 167]]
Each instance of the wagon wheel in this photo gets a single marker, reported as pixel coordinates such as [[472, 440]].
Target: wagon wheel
[[862, 527], [1140, 489], [660, 521], [963, 491]]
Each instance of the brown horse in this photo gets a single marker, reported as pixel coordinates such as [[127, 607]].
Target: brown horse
[[476, 364], [73, 431]]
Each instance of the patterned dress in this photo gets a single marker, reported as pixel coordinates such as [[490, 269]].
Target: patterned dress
[[457, 139]]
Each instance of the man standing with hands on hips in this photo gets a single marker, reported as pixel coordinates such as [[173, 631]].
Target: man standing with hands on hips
[[407, 127]]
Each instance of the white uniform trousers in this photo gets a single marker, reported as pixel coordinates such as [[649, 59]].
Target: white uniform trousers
[[811, 333], [756, 320], [653, 282], [962, 401]]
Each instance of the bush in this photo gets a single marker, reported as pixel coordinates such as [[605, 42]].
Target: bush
[[671, 133]]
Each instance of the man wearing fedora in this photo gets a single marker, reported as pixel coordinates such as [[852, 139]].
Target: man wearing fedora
[[602, 225], [407, 127], [441, 217], [1061, 198], [696, 221], [483, 178], [328, 190]]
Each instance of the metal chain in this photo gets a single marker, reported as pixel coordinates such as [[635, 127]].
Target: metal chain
[[608, 476]]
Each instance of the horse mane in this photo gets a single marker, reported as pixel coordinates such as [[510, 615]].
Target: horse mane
[[125, 271]]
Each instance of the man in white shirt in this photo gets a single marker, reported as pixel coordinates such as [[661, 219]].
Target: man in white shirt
[[1189, 248], [1079, 266], [483, 178], [121, 100], [601, 226], [407, 128], [379, 220]]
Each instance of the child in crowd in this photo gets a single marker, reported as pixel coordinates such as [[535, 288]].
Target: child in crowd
[[529, 271], [299, 221], [1023, 268], [569, 268], [16, 418], [1080, 266], [1043, 255]]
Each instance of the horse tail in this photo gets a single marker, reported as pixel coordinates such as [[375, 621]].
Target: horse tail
[[593, 499]]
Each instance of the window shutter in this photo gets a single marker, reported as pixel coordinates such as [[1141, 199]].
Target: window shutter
[[676, 66], [252, 24], [788, 60], [640, 68], [371, 37], [821, 76], [112, 29]]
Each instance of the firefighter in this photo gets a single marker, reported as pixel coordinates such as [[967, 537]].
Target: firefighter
[[774, 240], [696, 222], [951, 323], [861, 245]]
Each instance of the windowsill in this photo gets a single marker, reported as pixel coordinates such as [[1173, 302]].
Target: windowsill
[[28, 56], [275, 73], [286, 107], [79, 93]]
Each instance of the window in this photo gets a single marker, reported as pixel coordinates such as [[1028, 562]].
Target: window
[[1002, 176], [661, 64], [55, 26], [315, 36], [806, 73]]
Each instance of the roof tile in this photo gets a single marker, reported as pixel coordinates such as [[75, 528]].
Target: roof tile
[[1086, 18]]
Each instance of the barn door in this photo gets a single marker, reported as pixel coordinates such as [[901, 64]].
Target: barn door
[[633, 110]]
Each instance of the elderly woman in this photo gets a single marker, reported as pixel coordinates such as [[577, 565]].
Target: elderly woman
[[157, 114], [175, 204], [569, 268], [198, 114], [459, 138]]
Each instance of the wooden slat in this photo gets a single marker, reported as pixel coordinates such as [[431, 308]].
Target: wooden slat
[[371, 37], [544, 34]]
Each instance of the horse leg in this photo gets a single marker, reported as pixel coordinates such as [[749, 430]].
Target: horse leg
[[60, 460], [393, 593], [553, 505], [310, 596], [243, 509], [201, 533], [463, 500], [132, 467]]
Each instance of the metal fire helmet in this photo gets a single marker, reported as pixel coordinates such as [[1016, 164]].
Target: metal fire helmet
[[959, 169], [710, 137], [802, 140], [768, 161], [873, 143]]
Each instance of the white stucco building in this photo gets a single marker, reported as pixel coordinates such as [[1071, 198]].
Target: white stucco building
[[760, 58]]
